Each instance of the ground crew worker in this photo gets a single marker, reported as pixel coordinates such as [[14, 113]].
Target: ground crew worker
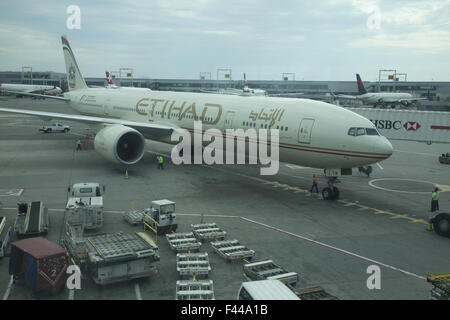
[[160, 162], [435, 200], [314, 185], [78, 144]]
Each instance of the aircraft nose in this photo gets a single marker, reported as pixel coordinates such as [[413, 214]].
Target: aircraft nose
[[384, 147]]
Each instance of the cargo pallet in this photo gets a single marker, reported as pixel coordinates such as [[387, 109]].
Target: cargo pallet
[[133, 217], [268, 270], [193, 264], [194, 290], [183, 242], [5, 236], [314, 293], [441, 286], [232, 250], [120, 257], [208, 231], [31, 220]]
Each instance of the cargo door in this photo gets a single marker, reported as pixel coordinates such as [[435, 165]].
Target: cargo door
[[305, 130]]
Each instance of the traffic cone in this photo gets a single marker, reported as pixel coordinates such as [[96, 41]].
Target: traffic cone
[[126, 174]]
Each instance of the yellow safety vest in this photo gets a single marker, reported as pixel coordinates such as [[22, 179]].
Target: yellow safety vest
[[161, 159], [435, 196]]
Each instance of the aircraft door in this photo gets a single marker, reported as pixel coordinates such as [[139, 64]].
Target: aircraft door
[[229, 120], [304, 131]]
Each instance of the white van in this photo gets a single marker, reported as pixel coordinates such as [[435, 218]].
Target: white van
[[265, 290]]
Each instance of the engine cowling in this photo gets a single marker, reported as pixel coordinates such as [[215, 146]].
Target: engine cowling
[[120, 144]]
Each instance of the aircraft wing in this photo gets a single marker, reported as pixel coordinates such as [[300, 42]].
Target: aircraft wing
[[148, 130], [38, 95]]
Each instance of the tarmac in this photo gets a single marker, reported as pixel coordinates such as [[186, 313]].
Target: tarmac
[[379, 220]]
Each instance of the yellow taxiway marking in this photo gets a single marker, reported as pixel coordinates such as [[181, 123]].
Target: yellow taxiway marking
[[346, 203], [443, 187]]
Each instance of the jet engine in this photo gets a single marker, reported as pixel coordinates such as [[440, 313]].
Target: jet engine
[[120, 144]]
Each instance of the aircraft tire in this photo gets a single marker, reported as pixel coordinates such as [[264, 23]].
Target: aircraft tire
[[441, 224]]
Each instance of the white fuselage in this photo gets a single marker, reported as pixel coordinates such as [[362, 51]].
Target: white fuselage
[[29, 88], [388, 97], [312, 133]]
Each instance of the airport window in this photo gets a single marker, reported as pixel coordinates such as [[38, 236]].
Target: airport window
[[372, 132], [360, 131], [351, 132]]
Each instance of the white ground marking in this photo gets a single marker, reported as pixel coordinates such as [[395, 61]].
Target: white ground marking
[[371, 183]]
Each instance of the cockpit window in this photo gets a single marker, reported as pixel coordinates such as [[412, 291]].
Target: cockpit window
[[360, 131], [363, 131], [372, 132]]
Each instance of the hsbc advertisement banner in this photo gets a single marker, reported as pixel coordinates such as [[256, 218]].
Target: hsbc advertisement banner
[[426, 126]]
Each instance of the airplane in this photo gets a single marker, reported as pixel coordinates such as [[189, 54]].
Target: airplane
[[249, 92], [111, 84], [29, 88], [381, 98], [311, 133]]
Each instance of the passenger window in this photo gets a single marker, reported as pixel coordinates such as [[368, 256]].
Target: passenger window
[[361, 132], [351, 132]]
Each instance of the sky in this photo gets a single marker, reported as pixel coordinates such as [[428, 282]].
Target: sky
[[173, 39]]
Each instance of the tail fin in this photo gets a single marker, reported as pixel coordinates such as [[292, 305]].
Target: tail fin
[[74, 77], [361, 88], [109, 78], [245, 82]]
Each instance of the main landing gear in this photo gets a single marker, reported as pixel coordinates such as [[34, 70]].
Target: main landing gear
[[331, 192]]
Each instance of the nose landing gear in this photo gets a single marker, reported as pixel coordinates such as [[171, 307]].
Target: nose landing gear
[[331, 192]]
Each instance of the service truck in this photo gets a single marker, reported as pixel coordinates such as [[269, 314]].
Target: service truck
[[85, 205]]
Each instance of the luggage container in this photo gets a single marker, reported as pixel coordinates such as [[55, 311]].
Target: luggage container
[[42, 263]]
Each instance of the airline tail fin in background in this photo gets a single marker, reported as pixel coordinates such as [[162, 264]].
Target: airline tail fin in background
[[109, 78], [361, 89], [74, 78]]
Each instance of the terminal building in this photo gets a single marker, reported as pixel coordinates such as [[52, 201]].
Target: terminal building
[[437, 94]]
